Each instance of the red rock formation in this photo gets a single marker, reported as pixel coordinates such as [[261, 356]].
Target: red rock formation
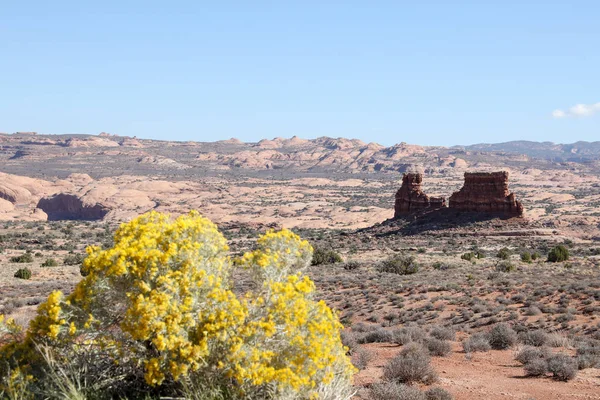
[[410, 198], [64, 206], [486, 192]]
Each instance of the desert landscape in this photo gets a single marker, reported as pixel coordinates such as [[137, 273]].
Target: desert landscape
[[451, 258]]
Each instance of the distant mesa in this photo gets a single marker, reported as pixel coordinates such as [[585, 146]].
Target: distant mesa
[[64, 206], [482, 192], [486, 192], [410, 198]]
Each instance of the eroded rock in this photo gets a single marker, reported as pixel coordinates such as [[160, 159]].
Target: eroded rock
[[410, 198], [486, 192], [64, 206]]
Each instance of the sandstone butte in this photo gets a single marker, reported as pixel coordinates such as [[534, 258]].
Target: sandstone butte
[[484, 192]]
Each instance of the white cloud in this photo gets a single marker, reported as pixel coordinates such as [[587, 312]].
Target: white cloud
[[578, 110]]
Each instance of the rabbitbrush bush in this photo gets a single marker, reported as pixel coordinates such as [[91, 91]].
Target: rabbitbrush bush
[[156, 315]]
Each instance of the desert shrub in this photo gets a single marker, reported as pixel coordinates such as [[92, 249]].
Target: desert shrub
[[535, 256], [411, 365], [528, 354], [503, 253], [157, 313], [558, 254], [408, 334], [526, 257], [438, 393], [562, 367], [533, 338], [73, 259], [23, 258], [395, 391], [351, 265], [23, 273], [378, 336], [361, 358], [438, 348], [399, 264], [557, 340], [505, 266], [502, 336], [442, 333], [536, 367], [477, 342], [349, 339], [325, 256], [588, 354], [468, 256], [50, 262]]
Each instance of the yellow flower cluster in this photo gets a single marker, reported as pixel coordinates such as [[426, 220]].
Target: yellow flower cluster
[[161, 297]]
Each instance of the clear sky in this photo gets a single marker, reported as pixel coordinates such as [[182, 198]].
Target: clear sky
[[425, 72]]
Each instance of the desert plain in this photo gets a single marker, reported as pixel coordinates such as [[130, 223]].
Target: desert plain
[[467, 274]]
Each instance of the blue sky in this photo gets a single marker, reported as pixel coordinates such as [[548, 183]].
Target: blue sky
[[425, 72]]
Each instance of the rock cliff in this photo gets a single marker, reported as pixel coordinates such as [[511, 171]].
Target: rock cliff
[[71, 207], [486, 192], [410, 197]]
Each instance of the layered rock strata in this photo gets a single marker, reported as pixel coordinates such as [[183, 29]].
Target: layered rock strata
[[486, 192], [410, 198]]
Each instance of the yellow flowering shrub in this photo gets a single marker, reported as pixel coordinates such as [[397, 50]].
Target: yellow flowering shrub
[[159, 310]]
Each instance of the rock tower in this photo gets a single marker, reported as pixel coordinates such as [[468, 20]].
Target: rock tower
[[410, 198]]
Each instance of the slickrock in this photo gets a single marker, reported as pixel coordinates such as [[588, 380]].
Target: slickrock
[[486, 192], [410, 197], [64, 206]]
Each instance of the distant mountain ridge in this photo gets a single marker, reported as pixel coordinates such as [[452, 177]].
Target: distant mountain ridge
[[105, 154], [581, 150]]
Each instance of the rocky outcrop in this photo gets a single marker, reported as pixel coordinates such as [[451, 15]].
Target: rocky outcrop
[[410, 198], [65, 206], [486, 192]]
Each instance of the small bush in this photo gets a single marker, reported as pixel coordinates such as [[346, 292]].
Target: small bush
[[409, 334], [502, 337], [22, 259], [468, 256], [442, 333], [438, 348], [50, 262], [505, 266], [351, 265], [412, 365], [558, 254], [73, 259], [526, 257], [378, 336], [528, 354], [503, 254], [535, 256], [536, 367], [477, 342], [399, 264], [562, 367], [533, 338], [23, 273], [588, 354], [438, 394], [395, 391], [361, 358]]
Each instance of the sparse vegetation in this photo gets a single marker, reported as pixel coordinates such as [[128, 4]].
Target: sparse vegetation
[[399, 264], [412, 365], [325, 256], [23, 273], [558, 254]]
